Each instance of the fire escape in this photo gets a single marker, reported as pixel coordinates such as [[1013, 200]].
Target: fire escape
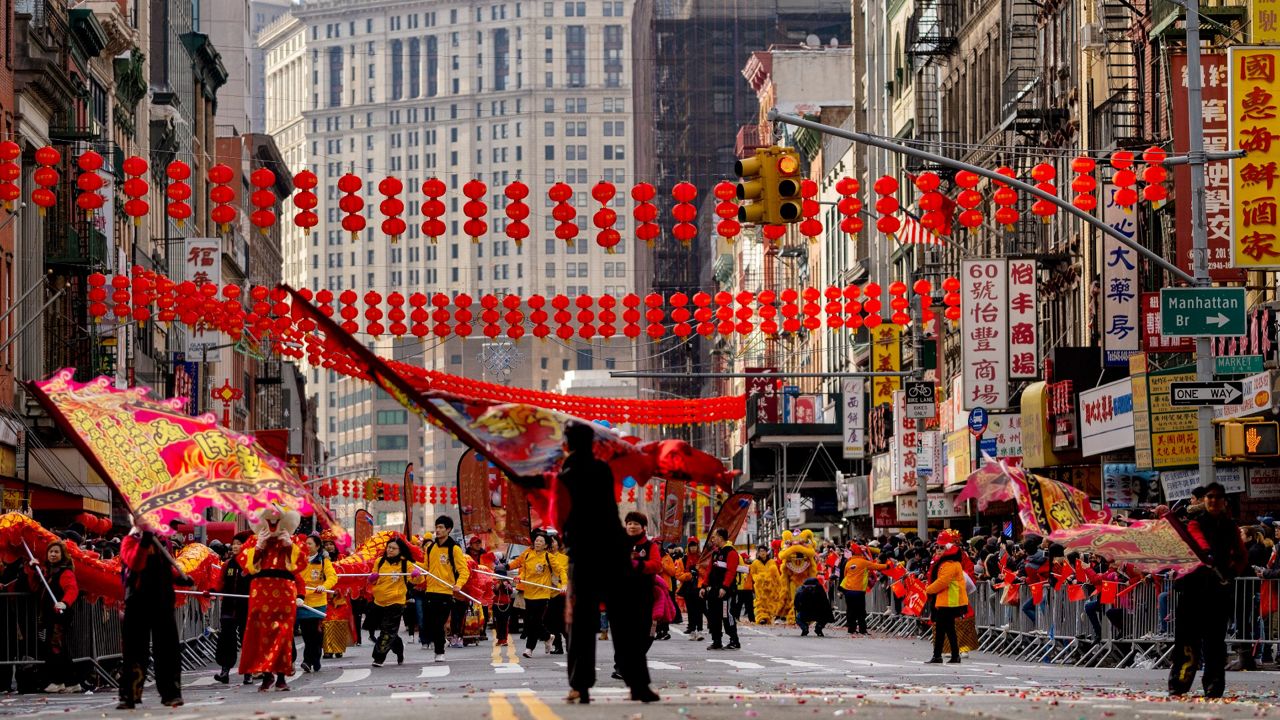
[[1119, 120], [931, 38]]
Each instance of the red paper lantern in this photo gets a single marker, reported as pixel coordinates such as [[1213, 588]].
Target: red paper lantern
[[517, 212], [45, 176], [563, 212], [887, 205], [684, 213], [475, 209], [222, 194], [604, 218], [644, 213], [351, 204]]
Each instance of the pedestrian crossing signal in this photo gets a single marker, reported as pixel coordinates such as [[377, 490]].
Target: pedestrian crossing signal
[[1251, 439]]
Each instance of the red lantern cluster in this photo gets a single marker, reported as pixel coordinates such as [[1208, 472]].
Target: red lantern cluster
[[97, 296], [969, 199], [923, 289], [517, 212], [222, 194], [352, 204], [850, 206], [563, 211], [727, 210], [475, 209], [89, 182], [391, 207], [951, 299], [1083, 184], [94, 525], [135, 188], [433, 209], [1044, 174], [810, 226], [10, 171], [1154, 175], [178, 192], [887, 206], [932, 216], [1006, 200], [898, 302], [1124, 178], [263, 199], [305, 200], [645, 213], [872, 306], [605, 218], [684, 212], [45, 177]]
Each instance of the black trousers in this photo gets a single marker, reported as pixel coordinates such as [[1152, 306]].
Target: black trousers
[[555, 620], [855, 604], [388, 633], [719, 622], [502, 621], [535, 618], [149, 632], [629, 600], [313, 640], [695, 607], [744, 601], [458, 617], [229, 639], [944, 628], [55, 646], [1199, 634], [436, 609]]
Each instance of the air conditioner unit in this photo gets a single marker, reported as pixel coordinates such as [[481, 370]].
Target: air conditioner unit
[[1091, 37]]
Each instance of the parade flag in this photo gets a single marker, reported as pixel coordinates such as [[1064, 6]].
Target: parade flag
[[1045, 506], [732, 516], [915, 600], [1075, 593], [489, 504], [895, 575], [168, 466], [672, 511], [1148, 545]]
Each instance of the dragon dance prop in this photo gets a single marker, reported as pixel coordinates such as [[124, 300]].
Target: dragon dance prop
[[354, 569], [98, 579], [167, 466]]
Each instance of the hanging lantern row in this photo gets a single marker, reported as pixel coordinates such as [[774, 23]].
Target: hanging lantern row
[[10, 172], [372, 490], [89, 182]]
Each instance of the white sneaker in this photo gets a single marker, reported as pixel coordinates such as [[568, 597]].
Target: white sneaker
[[55, 688], [440, 657]]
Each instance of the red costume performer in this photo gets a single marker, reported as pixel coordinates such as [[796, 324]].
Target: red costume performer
[[276, 589]]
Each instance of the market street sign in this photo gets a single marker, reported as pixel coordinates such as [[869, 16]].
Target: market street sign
[[1222, 392], [1202, 311], [1237, 365]]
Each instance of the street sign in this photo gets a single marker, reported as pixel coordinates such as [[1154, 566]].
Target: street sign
[[1189, 311], [921, 400], [978, 421], [1220, 392], [1237, 365]]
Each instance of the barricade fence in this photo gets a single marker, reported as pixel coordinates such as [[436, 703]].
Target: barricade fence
[[1075, 627], [96, 637]]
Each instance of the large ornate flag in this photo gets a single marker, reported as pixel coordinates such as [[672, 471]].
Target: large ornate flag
[[1149, 545], [166, 465], [490, 505], [732, 516], [1044, 506]]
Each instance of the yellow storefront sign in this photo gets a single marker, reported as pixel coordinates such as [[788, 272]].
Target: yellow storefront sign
[[886, 356], [1264, 25], [1037, 450], [1254, 91]]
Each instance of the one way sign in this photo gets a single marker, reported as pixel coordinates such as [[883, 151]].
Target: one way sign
[[1206, 393]]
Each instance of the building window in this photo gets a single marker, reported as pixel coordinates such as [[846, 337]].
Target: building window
[[335, 76], [393, 417], [393, 442]]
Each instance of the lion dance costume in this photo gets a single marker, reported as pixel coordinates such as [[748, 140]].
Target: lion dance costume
[[275, 564], [768, 589], [798, 562]]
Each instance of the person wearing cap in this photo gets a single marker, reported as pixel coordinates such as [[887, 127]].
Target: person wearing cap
[[857, 575], [233, 611]]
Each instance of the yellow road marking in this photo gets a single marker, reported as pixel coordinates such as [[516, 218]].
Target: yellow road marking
[[513, 653], [537, 708], [500, 708]]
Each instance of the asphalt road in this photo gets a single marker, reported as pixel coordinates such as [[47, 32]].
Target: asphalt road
[[777, 674]]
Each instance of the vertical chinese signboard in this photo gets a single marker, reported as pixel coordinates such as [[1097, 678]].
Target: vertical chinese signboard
[[886, 356], [1254, 112], [764, 392], [907, 455], [984, 333], [852, 418], [1264, 22], [1217, 182], [1024, 345], [202, 263], [1120, 336]]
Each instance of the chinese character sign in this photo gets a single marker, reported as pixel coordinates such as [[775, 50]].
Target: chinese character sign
[[1255, 124], [1217, 183], [886, 356], [1120, 329], [763, 391], [910, 441], [1152, 340], [1264, 27], [984, 333], [202, 263], [852, 418], [1024, 352]]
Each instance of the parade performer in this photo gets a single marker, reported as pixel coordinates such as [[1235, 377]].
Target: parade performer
[[338, 626], [799, 563], [275, 593], [538, 573], [149, 628], [53, 614], [555, 605], [320, 579], [389, 585], [444, 559], [947, 586], [767, 584], [857, 580], [717, 591], [233, 610]]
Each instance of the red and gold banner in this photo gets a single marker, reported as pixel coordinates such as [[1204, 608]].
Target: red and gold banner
[[732, 516], [167, 466], [1045, 506], [672, 525], [490, 505], [1149, 545], [1254, 110]]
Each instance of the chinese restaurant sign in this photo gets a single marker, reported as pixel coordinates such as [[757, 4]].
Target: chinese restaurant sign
[[1024, 355], [853, 418], [1255, 125], [1120, 336], [984, 333], [886, 356], [1217, 182], [202, 263]]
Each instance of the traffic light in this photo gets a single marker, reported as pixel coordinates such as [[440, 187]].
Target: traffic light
[[382, 491], [1251, 439], [751, 184], [788, 186], [371, 489]]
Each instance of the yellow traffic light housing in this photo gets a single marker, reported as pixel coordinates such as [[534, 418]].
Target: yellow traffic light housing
[[1250, 440], [769, 186], [370, 489], [788, 208], [751, 186]]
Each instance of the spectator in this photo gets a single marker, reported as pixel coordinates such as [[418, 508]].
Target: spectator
[[54, 582]]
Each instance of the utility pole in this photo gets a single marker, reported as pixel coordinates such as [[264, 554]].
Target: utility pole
[[1199, 225], [917, 373]]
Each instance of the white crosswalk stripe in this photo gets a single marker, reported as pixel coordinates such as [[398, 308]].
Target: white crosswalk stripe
[[507, 668], [656, 665], [418, 695], [351, 675], [434, 671], [737, 664], [796, 663], [299, 699], [201, 681]]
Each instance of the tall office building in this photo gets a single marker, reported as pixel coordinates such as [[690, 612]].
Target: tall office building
[[502, 91]]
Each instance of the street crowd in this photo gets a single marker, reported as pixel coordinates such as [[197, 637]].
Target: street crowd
[[604, 577]]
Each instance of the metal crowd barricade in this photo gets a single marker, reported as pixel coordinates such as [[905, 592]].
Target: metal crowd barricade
[[1255, 620], [18, 643]]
